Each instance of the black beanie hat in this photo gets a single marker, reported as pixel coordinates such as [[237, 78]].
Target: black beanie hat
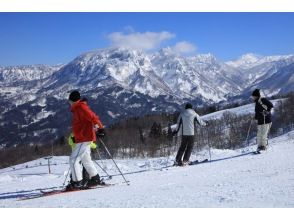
[[188, 105], [74, 96], [256, 93]]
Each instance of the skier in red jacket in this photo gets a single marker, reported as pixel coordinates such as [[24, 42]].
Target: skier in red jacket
[[85, 123]]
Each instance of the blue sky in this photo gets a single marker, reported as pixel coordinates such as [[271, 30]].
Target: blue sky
[[52, 38]]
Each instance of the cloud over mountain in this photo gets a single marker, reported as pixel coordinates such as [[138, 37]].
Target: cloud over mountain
[[139, 40]]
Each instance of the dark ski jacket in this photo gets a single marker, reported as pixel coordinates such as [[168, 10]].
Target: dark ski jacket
[[263, 111]]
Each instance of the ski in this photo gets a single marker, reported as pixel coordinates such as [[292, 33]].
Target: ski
[[191, 163], [197, 162], [60, 191]]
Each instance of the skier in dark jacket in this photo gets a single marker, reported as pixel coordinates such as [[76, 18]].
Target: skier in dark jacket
[[264, 119], [186, 123]]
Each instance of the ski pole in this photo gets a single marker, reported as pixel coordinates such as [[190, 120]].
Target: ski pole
[[99, 156], [208, 144], [109, 176], [73, 169], [66, 177], [113, 161], [248, 132]]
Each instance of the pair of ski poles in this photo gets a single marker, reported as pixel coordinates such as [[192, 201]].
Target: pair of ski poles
[[111, 157]]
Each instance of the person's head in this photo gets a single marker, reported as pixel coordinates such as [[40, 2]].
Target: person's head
[[255, 94], [188, 106], [74, 96]]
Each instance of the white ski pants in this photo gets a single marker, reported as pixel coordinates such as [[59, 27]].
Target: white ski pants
[[262, 134], [82, 153]]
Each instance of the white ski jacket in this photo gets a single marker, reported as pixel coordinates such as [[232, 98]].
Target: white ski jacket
[[186, 122]]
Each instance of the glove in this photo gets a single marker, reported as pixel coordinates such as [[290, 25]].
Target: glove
[[101, 132], [96, 128], [265, 113]]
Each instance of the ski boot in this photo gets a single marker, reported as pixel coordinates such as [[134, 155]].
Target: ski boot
[[178, 163], [73, 186], [95, 181], [259, 149]]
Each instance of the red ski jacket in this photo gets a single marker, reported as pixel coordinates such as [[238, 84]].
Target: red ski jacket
[[83, 122]]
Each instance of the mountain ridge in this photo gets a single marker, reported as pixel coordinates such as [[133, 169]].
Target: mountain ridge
[[121, 83]]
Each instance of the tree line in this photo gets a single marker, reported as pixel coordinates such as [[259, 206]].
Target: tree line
[[151, 135]]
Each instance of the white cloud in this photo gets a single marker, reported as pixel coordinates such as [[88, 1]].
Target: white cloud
[[184, 47], [139, 40]]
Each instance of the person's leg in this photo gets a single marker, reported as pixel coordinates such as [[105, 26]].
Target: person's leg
[[87, 161], [85, 175], [190, 145], [264, 135], [259, 137], [75, 166], [181, 149]]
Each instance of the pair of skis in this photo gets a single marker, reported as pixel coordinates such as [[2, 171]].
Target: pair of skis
[[195, 162], [44, 193]]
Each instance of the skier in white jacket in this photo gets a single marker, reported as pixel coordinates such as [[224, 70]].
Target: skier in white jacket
[[186, 124]]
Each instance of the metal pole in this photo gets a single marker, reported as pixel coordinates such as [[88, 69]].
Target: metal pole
[[69, 166], [66, 177], [113, 161], [248, 132], [109, 176], [48, 163], [99, 157], [49, 166], [208, 144]]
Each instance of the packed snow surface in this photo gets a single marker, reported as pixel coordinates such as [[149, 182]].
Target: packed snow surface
[[232, 179]]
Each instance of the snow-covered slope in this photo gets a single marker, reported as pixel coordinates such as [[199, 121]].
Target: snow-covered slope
[[241, 110], [232, 179]]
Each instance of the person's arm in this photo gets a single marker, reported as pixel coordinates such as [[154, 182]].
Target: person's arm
[[179, 124], [199, 120], [92, 117], [268, 103]]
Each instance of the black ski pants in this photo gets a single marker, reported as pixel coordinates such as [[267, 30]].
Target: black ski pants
[[185, 148]]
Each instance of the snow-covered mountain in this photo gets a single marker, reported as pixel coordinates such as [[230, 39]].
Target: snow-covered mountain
[[246, 61], [255, 69], [281, 81], [163, 73], [201, 76], [129, 69], [121, 82], [18, 74]]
